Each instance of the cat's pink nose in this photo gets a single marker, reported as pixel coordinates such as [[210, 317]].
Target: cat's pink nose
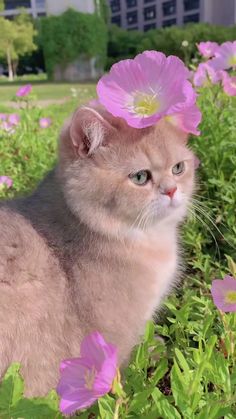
[[170, 192]]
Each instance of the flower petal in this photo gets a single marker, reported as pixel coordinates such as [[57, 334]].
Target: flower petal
[[219, 291]]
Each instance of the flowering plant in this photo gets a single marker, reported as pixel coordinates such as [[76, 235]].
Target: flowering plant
[[85, 379], [148, 88]]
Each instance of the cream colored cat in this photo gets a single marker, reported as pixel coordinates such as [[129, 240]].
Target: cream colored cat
[[95, 246]]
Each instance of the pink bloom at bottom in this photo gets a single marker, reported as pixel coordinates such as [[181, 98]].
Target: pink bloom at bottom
[[5, 181], [224, 293], [45, 122], [85, 379]]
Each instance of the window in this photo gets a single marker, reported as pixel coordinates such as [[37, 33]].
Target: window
[[132, 17], [168, 22], [169, 8], [149, 27], [135, 28], [116, 20], [12, 4], [191, 18], [149, 1], [149, 12], [131, 3], [115, 6], [191, 5], [42, 14], [40, 4]]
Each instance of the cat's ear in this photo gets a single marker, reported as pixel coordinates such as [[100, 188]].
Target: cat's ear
[[89, 130]]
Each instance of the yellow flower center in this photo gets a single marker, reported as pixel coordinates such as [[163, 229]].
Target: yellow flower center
[[232, 60], [89, 378], [230, 297], [145, 104]]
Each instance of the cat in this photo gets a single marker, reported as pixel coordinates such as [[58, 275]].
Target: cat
[[95, 247]]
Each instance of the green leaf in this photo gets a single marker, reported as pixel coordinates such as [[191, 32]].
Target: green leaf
[[106, 406], [11, 390], [164, 408]]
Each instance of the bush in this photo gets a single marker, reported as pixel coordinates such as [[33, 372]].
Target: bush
[[126, 44], [64, 38]]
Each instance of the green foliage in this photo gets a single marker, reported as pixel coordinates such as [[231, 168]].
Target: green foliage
[[66, 37], [16, 40], [13, 405], [192, 375], [103, 10], [125, 44]]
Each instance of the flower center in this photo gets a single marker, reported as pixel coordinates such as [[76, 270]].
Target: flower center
[[145, 104], [232, 60], [230, 297], [89, 378]]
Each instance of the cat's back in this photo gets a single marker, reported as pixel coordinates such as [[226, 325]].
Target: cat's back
[[24, 255]]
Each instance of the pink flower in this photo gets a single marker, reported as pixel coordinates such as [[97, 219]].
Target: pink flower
[[224, 293], [3, 116], [207, 49], [186, 119], [24, 90], [5, 181], [229, 84], [147, 88], [225, 56], [13, 119], [205, 74], [85, 379], [45, 122], [7, 127]]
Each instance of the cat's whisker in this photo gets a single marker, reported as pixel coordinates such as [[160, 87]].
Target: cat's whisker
[[201, 210], [195, 215]]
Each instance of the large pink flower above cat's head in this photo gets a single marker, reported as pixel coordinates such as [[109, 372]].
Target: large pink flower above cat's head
[[147, 88]]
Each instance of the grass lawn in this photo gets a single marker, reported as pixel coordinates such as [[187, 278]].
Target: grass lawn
[[192, 375], [46, 90]]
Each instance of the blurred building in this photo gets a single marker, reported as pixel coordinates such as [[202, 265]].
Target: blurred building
[[150, 14], [35, 8], [39, 8], [56, 7]]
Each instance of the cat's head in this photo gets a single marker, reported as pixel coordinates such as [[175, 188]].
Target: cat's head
[[119, 179]]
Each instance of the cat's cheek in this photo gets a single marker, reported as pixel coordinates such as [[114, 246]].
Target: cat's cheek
[[178, 199]]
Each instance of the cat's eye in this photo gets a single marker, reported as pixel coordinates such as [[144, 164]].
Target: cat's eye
[[141, 178], [178, 169]]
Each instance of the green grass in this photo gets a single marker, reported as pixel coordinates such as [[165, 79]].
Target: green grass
[[192, 376], [46, 90]]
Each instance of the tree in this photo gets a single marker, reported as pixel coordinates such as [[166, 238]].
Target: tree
[[17, 39]]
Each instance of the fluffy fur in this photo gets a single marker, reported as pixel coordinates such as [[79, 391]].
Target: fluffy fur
[[90, 250]]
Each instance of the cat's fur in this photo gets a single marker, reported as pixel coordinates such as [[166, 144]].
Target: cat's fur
[[77, 256]]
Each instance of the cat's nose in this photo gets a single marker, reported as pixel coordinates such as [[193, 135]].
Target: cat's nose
[[170, 191]]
